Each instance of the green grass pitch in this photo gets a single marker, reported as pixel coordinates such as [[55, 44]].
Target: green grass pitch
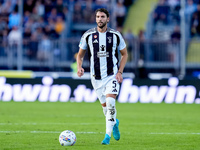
[[37, 125]]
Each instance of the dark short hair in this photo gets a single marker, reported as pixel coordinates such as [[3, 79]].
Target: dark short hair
[[102, 10]]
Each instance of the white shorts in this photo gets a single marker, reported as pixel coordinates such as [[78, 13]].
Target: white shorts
[[108, 85]]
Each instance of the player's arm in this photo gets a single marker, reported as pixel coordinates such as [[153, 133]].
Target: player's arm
[[79, 60], [124, 57]]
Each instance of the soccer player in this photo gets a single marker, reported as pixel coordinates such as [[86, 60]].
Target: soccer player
[[103, 45]]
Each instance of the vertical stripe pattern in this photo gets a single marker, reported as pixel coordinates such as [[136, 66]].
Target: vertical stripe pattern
[[89, 52], [103, 51], [116, 51], [97, 73], [109, 49]]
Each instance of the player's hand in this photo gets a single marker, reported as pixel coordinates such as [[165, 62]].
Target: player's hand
[[80, 72], [119, 77]]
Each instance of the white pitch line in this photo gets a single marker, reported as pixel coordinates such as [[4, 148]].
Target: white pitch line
[[68, 123], [49, 132], [90, 132], [175, 133], [50, 123], [57, 132], [162, 124]]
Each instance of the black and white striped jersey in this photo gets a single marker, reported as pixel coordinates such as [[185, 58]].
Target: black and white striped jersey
[[103, 51]]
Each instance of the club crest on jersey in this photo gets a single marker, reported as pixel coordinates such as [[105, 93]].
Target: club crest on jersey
[[95, 36], [102, 52], [109, 39]]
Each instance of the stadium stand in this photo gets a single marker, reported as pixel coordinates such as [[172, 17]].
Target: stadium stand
[[51, 30], [166, 30]]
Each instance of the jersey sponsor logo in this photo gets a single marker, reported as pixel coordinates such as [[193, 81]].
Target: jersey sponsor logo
[[102, 54], [102, 48], [95, 41]]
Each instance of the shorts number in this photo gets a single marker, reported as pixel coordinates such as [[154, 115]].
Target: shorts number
[[115, 84]]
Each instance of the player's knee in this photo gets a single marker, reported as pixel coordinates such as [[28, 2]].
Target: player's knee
[[110, 103], [104, 110], [103, 104]]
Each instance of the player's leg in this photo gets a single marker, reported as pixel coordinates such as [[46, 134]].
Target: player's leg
[[112, 89], [107, 137], [110, 117], [112, 123], [104, 108], [102, 100], [99, 89], [111, 113]]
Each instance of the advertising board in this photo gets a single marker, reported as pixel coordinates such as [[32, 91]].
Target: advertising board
[[45, 89]]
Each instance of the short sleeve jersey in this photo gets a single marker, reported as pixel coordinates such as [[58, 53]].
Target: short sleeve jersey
[[103, 51]]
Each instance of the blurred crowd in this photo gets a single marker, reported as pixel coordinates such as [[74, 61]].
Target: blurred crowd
[[42, 21], [39, 17], [46, 20], [84, 10], [168, 12], [49, 16], [46, 24]]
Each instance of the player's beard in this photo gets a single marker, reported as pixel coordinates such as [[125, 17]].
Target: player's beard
[[103, 24]]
